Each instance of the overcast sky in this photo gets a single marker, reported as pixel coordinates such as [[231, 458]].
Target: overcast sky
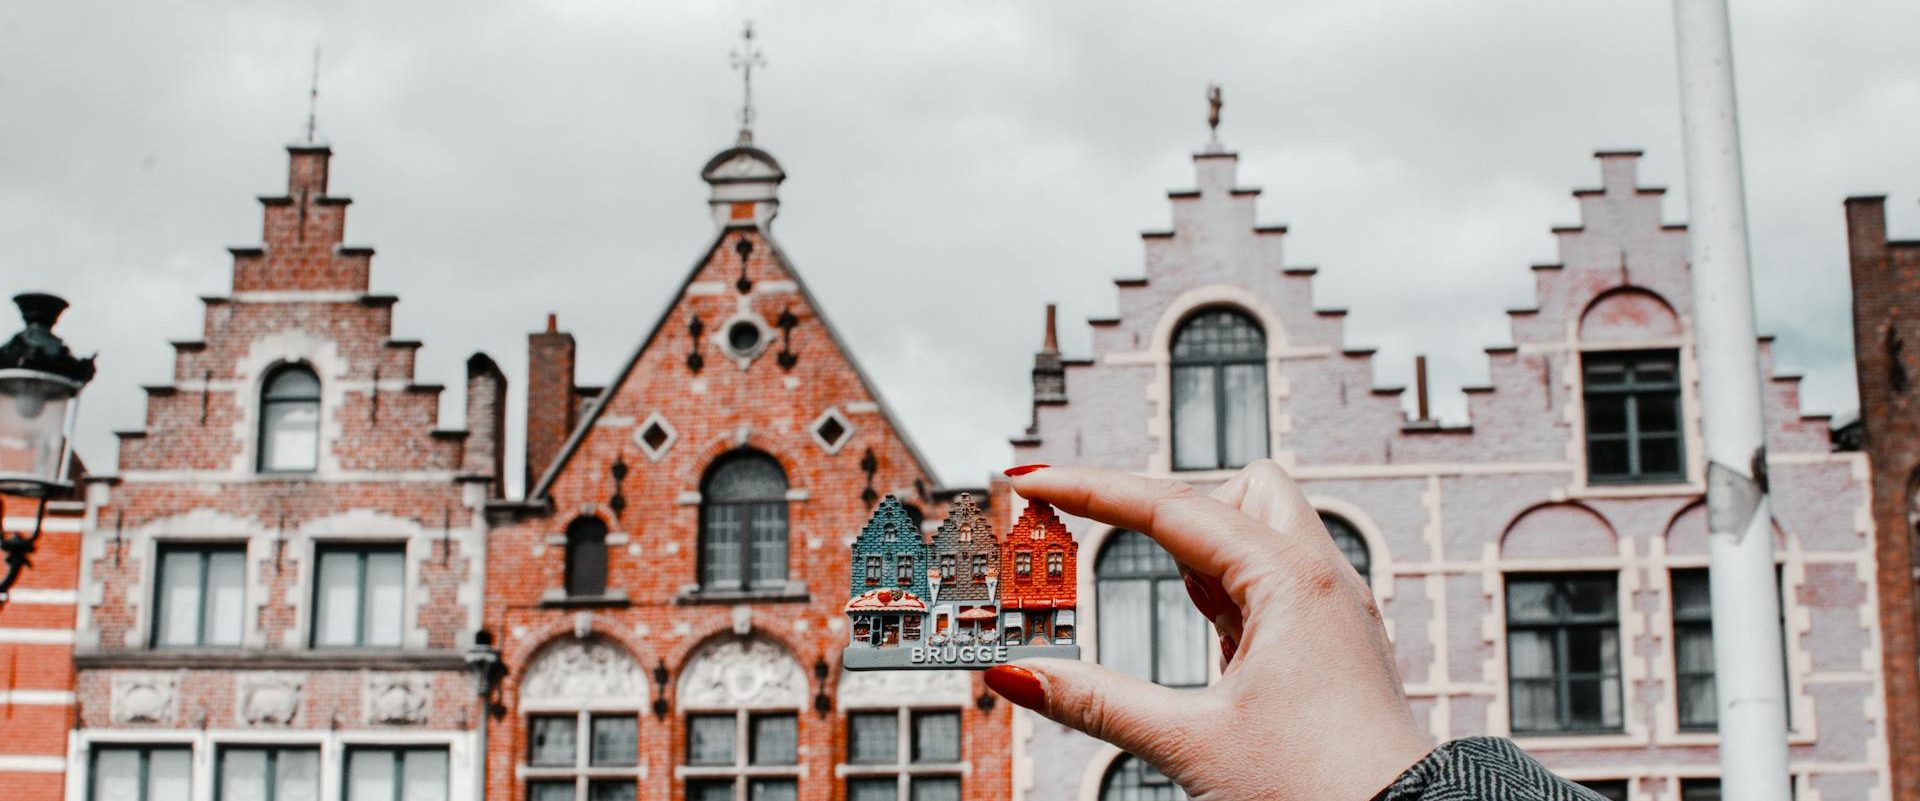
[[952, 167]]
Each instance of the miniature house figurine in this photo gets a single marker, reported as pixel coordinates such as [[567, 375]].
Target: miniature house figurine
[[955, 602]]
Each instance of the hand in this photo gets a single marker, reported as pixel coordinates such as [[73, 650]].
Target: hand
[[1309, 705]]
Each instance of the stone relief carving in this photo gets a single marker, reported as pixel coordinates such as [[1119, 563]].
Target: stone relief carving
[[743, 673], [904, 687], [146, 697], [584, 670], [268, 699], [398, 698]]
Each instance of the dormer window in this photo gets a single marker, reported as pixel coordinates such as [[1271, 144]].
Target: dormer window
[[1633, 417], [290, 420]]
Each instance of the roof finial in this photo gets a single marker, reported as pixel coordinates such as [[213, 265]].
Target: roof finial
[[744, 60], [1213, 112], [313, 96]]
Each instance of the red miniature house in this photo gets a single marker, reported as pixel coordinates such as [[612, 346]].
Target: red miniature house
[[1037, 589]]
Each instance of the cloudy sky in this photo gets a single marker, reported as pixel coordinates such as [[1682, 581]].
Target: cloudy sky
[[952, 167]]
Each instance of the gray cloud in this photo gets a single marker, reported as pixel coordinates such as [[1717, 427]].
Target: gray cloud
[[952, 168]]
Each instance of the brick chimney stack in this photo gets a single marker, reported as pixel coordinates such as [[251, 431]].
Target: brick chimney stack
[[550, 391], [486, 451]]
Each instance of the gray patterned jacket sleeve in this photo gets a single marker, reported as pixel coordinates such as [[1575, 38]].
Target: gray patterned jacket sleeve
[[1481, 769]]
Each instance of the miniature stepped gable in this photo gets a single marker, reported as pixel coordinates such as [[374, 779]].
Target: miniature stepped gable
[[890, 537], [302, 250], [1036, 600]]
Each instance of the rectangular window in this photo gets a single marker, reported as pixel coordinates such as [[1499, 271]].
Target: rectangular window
[[936, 736], [902, 755], [616, 741], [947, 567], [553, 742], [903, 569], [396, 774], [710, 790], [268, 774], [200, 596], [776, 740], [612, 790], [359, 597], [140, 773], [979, 567], [550, 791], [1633, 416], [873, 738], [1697, 706], [739, 756], [1610, 789], [873, 570], [1056, 564], [1022, 565], [1699, 790], [1563, 653], [710, 739]]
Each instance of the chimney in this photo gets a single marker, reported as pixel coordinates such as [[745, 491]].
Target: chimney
[[1420, 385], [486, 451], [1049, 375], [550, 407]]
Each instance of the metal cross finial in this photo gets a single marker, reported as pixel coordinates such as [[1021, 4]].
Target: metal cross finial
[[313, 96], [1213, 110], [744, 60]]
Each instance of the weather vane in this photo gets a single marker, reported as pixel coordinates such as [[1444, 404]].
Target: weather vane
[[1213, 111], [744, 60], [313, 96]]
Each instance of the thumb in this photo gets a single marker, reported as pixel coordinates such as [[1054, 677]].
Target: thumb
[[1142, 718]]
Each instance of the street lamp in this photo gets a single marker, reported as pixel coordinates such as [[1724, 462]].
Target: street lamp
[[40, 381]]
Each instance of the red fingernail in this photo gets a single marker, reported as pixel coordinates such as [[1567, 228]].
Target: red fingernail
[[1024, 469], [1019, 685], [1227, 649]]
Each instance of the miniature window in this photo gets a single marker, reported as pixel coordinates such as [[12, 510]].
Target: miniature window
[[1056, 564], [200, 596], [1130, 779], [1219, 362], [1142, 599], [1023, 564], [587, 558], [903, 755], [873, 570], [1633, 416], [743, 532], [562, 765], [396, 774], [274, 774], [1350, 544], [903, 569], [140, 773], [358, 597], [947, 568], [1610, 789], [979, 567], [1563, 652], [738, 755], [290, 420], [1698, 709]]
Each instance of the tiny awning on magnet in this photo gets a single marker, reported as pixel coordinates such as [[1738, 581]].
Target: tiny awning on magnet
[[886, 601]]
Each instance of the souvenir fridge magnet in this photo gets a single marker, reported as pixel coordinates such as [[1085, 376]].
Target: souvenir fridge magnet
[[963, 599]]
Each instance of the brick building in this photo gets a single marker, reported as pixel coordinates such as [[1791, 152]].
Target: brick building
[[1541, 568], [36, 651], [669, 597], [282, 576], [1886, 327]]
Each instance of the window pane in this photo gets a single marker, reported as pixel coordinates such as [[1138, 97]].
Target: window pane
[[1611, 790], [1126, 626], [1132, 780], [936, 737], [710, 740], [226, 593], [616, 741], [370, 775], [776, 740], [1534, 705], [336, 608], [1659, 412], [1607, 414], [290, 436], [745, 476], [243, 775], [1692, 596], [1180, 654], [873, 738], [550, 791], [1193, 424], [1608, 458], [587, 557], [1350, 544], [710, 790], [169, 773], [773, 790], [293, 383], [426, 776], [1700, 790], [297, 775], [720, 546], [769, 541], [179, 618], [1529, 600], [939, 788], [1246, 414], [116, 774], [1530, 654], [1594, 597], [624, 790], [1698, 706], [386, 593], [887, 789], [552, 742], [1660, 455]]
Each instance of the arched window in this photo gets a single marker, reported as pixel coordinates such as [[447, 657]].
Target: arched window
[[1148, 627], [587, 557], [290, 420], [1130, 779], [1350, 544], [743, 523], [1219, 391]]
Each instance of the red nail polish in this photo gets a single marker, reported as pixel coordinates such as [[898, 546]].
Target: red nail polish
[[1209, 595], [1019, 685], [1024, 469], [1227, 649]]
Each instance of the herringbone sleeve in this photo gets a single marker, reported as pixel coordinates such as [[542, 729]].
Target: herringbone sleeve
[[1481, 769]]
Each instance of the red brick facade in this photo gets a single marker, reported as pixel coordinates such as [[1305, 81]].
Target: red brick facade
[[397, 499], [36, 653], [742, 361], [1886, 347], [1029, 584]]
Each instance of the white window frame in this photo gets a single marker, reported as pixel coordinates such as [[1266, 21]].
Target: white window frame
[[904, 769], [582, 772]]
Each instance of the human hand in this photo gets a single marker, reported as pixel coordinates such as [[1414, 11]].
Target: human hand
[[1309, 704]]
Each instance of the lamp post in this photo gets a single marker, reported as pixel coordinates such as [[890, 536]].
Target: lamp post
[[483, 659], [40, 382]]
